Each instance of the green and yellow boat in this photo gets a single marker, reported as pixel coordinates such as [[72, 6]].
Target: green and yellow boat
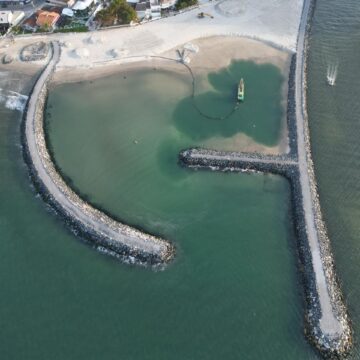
[[241, 90]]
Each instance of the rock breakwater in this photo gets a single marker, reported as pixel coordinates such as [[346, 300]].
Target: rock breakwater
[[331, 333], [110, 236], [331, 346], [234, 161], [327, 324]]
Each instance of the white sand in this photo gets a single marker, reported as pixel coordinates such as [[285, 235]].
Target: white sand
[[276, 22], [215, 53], [273, 21]]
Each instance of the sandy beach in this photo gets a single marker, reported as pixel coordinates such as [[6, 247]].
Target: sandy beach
[[261, 31], [272, 21], [215, 53]]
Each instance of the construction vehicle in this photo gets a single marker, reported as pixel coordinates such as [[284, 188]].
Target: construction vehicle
[[202, 15]]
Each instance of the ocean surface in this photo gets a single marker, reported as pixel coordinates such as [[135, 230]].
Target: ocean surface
[[233, 291], [335, 130]]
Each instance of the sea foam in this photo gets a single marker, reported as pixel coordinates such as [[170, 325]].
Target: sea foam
[[13, 100]]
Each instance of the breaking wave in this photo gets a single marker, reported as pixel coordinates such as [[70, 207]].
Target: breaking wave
[[12, 100]]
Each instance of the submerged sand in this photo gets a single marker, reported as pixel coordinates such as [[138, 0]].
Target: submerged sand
[[215, 53], [224, 37]]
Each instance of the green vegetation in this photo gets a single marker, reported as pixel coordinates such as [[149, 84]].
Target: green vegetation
[[16, 30], [43, 29], [79, 28], [118, 12], [182, 4]]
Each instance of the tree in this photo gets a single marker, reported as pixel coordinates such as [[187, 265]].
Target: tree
[[182, 4], [125, 13], [119, 11]]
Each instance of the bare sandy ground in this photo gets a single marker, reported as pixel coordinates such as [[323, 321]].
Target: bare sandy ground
[[272, 21], [221, 38], [218, 52], [214, 53]]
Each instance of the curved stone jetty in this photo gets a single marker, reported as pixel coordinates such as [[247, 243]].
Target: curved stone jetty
[[327, 321], [107, 234]]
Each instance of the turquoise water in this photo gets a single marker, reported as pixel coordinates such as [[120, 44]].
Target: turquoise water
[[233, 290], [263, 83]]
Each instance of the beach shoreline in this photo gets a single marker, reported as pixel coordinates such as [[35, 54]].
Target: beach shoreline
[[328, 323], [215, 54]]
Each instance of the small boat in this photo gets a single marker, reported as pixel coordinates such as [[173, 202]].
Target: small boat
[[241, 90]]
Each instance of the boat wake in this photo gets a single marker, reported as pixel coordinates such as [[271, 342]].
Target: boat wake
[[331, 74]]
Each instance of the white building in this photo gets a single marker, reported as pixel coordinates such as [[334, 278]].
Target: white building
[[82, 5], [147, 9], [164, 4], [143, 9], [10, 18], [155, 9], [13, 2], [62, 3], [6, 17]]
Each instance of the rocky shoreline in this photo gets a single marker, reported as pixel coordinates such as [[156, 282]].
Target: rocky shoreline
[[134, 246], [230, 162], [103, 232], [333, 345], [340, 346]]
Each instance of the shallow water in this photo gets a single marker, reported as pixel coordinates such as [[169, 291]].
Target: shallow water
[[259, 117], [233, 290]]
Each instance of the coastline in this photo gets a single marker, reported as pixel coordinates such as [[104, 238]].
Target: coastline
[[327, 324], [326, 319], [333, 340], [215, 53], [260, 53], [159, 36], [107, 234], [337, 340]]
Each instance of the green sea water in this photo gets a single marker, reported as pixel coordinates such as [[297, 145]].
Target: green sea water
[[335, 130], [233, 291]]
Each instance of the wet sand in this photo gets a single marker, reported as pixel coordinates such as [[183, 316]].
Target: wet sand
[[215, 53]]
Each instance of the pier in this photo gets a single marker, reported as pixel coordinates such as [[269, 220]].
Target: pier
[[103, 232]]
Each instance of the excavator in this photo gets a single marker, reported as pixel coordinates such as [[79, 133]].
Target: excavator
[[202, 15]]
